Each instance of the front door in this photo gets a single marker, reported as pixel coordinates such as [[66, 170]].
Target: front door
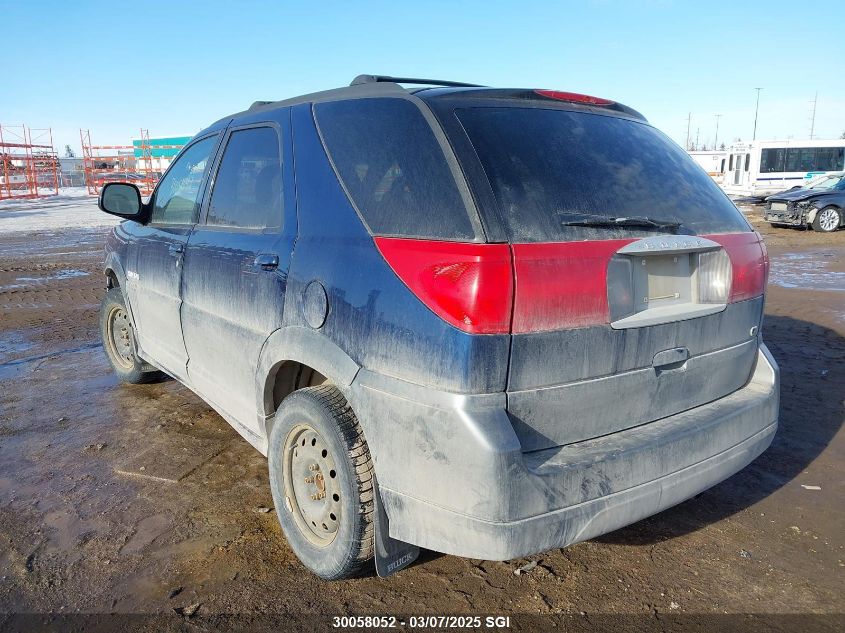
[[155, 267], [235, 270]]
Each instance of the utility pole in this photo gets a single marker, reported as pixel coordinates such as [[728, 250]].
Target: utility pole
[[716, 142], [813, 120], [697, 132], [689, 120], [756, 109]]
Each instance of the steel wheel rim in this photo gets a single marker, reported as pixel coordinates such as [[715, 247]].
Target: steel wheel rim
[[828, 219], [312, 485], [119, 337]]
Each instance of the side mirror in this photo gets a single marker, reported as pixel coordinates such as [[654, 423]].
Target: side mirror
[[121, 199]]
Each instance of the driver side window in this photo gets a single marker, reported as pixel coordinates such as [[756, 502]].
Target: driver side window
[[177, 197]]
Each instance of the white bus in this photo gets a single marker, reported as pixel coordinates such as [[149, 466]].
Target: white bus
[[761, 168], [713, 162]]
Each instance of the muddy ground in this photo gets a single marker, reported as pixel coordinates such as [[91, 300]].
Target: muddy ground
[[84, 529]]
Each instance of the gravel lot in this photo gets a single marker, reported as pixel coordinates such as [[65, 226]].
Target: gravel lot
[[84, 529]]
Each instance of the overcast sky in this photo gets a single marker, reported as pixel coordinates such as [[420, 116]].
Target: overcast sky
[[174, 67]]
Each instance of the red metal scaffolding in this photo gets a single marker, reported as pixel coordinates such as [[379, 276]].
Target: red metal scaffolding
[[29, 166], [103, 164]]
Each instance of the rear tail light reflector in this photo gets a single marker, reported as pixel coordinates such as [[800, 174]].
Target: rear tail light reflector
[[468, 285], [561, 285], [519, 288]]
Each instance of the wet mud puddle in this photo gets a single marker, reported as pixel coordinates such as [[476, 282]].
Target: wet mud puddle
[[808, 270]]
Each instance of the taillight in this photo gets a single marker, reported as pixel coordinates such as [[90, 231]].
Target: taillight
[[519, 288], [468, 285], [749, 263], [713, 272], [561, 285], [574, 97]]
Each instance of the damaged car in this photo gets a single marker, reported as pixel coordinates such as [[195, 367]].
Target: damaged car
[[820, 205], [488, 322]]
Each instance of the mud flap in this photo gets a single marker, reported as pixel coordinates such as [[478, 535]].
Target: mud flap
[[391, 555]]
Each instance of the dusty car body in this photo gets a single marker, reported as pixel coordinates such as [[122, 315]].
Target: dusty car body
[[515, 360], [820, 205]]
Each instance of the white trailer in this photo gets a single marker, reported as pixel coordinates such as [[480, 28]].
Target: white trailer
[[713, 162], [761, 168]]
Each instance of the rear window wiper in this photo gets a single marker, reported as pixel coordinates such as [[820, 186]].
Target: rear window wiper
[[636, 221]]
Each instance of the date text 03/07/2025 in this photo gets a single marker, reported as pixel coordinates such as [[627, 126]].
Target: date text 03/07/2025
[[422, 622]]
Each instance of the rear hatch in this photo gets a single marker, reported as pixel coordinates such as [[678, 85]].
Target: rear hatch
[[627, 285], [637, 284]]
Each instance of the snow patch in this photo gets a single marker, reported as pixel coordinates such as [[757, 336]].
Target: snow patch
[[73, 208]]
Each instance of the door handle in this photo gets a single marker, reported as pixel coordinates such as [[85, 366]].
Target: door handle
[[176, 248], [266, 261]]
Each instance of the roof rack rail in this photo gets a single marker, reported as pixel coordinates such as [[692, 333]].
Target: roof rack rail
[[258, 104], [370, 79]]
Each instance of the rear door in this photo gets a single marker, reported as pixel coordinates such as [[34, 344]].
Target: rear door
[[638, 284], [236, 265], [155, 267]]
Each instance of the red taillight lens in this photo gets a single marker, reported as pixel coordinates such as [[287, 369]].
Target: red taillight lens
[[545, 286], [750, 263], [468, 285], [561, 285], [574, 97]]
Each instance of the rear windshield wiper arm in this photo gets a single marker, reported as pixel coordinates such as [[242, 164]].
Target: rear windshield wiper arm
[[636, 221]]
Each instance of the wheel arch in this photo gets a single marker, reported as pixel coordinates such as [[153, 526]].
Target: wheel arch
[[116, 278], [295, 357]]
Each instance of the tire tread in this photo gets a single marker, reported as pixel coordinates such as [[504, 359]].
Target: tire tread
[[360, 557]]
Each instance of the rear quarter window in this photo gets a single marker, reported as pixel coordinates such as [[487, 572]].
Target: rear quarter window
[[547, 167], [394, 169]]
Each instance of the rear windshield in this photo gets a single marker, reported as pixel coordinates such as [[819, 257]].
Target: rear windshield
[[553, 167], [394, 169]]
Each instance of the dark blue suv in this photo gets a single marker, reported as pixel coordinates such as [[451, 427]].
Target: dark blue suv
[[488, 322]]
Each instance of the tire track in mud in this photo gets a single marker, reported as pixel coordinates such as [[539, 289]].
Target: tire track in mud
[[50, 291]]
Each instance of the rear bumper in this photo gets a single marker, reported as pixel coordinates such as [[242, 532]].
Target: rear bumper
[[454, 478]]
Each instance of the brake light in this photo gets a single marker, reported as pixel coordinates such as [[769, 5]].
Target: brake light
[[468, 285], [749, 262], [561, 285], [574, 97], [498, 289]]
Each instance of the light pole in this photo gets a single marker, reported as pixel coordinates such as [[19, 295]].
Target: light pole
[[716, 142], [756, 109]]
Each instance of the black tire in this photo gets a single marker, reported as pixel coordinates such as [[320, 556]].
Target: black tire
[[824, 223], [340, 544], [119, 341]]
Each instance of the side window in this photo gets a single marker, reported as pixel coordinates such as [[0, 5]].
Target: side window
[[247, 190], [771, 160], [747, 161], [394, 169], [177, 196]]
